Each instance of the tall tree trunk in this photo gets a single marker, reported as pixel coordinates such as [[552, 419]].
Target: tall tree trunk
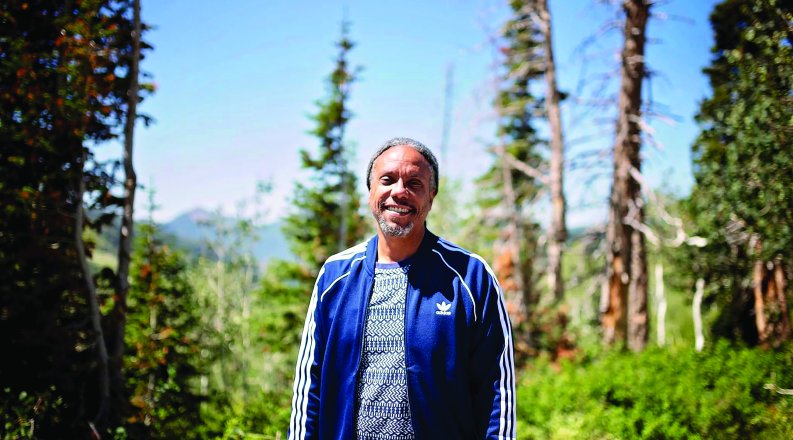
[[625, 314], [660, 297], [699, 337], [557, 233], [508, 265], [772, 316], [104, 405], [149, 400], [637, 289], [344, 207], [125, 236]]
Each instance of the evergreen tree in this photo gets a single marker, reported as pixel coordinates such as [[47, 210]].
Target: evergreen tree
[[164, 341], [741, 201], [326, 217], [506, 192], [63, 89]]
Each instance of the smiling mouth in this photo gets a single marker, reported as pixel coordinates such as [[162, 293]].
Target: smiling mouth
[[397, 209]]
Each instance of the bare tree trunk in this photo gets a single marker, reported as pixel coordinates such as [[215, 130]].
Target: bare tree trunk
[[699, 337], [344, 202], [660, 297], [513, 273], [770, 302], [96, 318], [637, 290], [152, 379], [508, 265], [625, 314], [557, 233], [758, 274], [447, 113], [247, 285], [781, 298], [220, 315], [127, 225]]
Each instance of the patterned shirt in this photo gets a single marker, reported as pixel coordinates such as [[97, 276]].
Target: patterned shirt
[[382, 394]]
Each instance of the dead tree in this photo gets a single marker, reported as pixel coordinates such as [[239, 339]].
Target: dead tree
[[127, 224], [104, 404], [557, 231], [625, 315], [772, 315]]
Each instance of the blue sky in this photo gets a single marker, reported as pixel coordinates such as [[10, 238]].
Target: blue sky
[[235, 84]]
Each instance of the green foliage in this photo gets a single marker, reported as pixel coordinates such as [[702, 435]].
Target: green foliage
[[225, 279], [447, 217], [22, 413], [266, 417], [63, 91], [518, 109], [164, 340], [743, 160], [326, 217], [660, 394]]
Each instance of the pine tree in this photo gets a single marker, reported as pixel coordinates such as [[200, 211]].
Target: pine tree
[[505, 192], [163, 340], [326, 217], [741, 201], [62, 93]]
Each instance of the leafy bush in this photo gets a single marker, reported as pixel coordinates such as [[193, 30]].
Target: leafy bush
[[660, 394], [22, 414]]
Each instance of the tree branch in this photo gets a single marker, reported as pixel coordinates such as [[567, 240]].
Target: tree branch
[[521, 166]]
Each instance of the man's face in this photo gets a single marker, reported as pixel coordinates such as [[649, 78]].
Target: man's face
[[401, 191]]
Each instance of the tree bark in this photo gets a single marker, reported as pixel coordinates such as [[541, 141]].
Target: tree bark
[[699, 337], [660, 297], [781, 298], [104, 404], [557, 233], [625, 314], [772, 316], [508, 265], [127, 224]]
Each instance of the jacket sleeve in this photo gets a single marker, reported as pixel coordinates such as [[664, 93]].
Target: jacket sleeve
[[493, 364], [303, 423]]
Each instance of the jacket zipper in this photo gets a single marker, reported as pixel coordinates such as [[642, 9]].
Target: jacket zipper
[[360, 354], [405, 346]]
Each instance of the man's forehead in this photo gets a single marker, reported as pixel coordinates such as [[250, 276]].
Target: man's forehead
[[402, 155]]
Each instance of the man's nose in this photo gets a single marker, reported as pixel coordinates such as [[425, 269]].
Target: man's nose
[[399, 189]]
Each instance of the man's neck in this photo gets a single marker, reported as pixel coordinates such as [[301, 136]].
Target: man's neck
[[395, 249]]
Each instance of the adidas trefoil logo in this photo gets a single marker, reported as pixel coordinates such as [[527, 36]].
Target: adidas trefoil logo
[[443, 308]]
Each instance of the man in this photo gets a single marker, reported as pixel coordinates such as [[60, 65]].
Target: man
[[407, 335]]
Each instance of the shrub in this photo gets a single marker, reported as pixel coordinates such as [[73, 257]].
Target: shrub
[[660, 394]]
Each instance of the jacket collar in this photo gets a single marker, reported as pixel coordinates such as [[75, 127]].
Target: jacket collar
[[427, 242]]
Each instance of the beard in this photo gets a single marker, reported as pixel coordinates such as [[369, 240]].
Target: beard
[[392, 229]]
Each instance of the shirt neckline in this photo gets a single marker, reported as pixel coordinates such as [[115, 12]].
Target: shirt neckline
[[403, 264]]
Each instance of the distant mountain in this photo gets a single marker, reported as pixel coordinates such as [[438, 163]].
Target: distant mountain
[[190, 235], [186, 232]]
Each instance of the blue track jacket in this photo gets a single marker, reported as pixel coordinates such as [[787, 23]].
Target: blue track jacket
[[458, 346]]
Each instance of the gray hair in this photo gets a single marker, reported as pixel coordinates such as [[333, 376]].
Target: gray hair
[[414, 144]]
